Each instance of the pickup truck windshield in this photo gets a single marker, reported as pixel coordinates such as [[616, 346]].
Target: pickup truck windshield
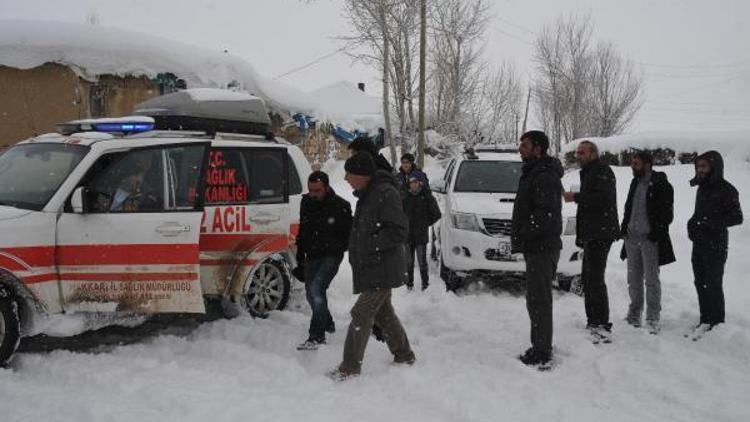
[[31, 173], [488, 176]]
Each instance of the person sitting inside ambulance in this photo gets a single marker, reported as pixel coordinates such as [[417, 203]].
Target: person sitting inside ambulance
[[132, 194]]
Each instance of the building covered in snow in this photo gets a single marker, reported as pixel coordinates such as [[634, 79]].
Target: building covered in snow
[[51, 72]]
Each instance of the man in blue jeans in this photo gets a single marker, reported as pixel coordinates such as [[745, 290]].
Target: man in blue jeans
[[325, 221]]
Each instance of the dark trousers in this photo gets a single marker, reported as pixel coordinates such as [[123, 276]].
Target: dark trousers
[[708, 269], [595, 253], [421, 252], [540, 271], [318, 276], [374, 307]]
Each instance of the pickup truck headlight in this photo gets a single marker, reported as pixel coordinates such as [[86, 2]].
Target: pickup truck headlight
[[464, 221], [570, 227]]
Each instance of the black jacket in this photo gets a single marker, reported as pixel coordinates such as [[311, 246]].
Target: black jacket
[[324, 226], [422, 211], [377, 244], [596, 216], [660, 211], [717, 206], [537, 210]]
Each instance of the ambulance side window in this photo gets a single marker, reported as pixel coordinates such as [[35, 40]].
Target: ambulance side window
[[226, 177], [183, 165], [268, 176], [127, 182]]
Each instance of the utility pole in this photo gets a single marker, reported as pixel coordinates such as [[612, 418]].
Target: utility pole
[[422, 78], [526, 113]]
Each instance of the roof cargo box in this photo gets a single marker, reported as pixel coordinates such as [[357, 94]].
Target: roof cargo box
[[209, 110]]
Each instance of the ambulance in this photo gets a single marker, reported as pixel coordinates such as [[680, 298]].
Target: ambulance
[[187, 201]]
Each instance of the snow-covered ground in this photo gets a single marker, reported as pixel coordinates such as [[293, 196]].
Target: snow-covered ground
[[248, 370]]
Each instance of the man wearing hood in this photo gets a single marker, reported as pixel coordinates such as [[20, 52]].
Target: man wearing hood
[[325, 222], [649, 211], [377, 254], [596, 229], [536, 230], [717, 206]]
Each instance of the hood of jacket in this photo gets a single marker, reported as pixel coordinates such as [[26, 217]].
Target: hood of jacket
[[717, 168]]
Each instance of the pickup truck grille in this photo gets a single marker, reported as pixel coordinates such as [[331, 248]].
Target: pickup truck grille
[[497, 227]]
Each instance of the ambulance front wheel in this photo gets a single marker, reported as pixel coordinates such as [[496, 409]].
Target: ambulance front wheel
[[10, 326], [267, 289]]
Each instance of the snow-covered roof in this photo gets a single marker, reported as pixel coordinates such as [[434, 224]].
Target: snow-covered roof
[[93, 50], [682, 142], [349, 106]]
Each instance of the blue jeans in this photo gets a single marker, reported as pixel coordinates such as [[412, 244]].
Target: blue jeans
[[318, 276]]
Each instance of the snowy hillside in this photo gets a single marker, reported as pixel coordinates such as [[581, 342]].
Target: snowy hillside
[[247, 369]]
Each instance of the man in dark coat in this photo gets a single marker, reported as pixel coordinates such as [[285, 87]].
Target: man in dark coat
[[365, 144], [325, 222], [536, 230], [422, 211], [377, 254], [596, 230], [649, 211], [717, 206]]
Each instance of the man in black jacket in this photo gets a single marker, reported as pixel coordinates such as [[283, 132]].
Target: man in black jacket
[[536, 230], [596, 230], [325, 222], [422, 211], [377, 254], [649, 211], [717, 206]]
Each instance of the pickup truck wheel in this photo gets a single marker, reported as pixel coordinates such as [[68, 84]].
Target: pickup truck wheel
[[433, 246], [267, 289], [10, 326], [452, 280]]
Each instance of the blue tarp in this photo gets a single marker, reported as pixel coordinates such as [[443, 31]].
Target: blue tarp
[[304, 122]]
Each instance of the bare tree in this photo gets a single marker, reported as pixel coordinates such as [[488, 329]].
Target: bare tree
[[457, 29], [616, 95], [384, 35], [494, 111], [580, 90]]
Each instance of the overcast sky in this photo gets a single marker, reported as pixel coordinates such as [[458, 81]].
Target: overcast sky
[[695, 53]]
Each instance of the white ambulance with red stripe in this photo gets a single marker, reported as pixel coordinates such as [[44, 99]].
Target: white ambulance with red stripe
[[149, 219]]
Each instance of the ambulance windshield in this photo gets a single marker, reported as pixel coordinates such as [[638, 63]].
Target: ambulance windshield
[[31, 173]]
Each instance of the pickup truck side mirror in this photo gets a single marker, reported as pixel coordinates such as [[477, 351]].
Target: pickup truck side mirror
[[78, 200], [438, 186]]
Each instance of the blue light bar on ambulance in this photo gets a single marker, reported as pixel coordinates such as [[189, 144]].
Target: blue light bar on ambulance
[[123, 125]]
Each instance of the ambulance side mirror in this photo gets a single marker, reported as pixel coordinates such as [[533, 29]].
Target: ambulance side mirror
[[78, 200]]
